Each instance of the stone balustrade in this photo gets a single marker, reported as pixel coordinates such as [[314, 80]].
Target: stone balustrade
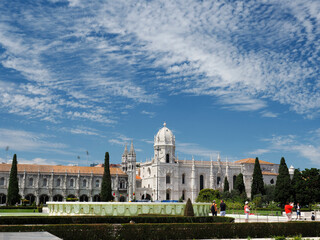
[[124, 209]]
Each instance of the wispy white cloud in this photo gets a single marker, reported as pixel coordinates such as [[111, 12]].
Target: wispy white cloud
[[242, 54], [120, 139], [38, 161], [19, 140], [258, 152], [269, 114], [307, 147], [193, 149], [150, 114]]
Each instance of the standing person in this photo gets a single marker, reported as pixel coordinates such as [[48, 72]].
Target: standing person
[[246, 211], [298, 211], [223, 207], [214, 208], [288, 209]]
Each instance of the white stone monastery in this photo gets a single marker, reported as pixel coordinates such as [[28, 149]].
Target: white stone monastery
[[165, 177]]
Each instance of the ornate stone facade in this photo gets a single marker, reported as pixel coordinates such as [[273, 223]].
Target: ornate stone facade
[[166, 177], [42, 183]]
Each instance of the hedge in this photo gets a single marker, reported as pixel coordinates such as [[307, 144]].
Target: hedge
[[17, 207], [173, 230], [9, 220]]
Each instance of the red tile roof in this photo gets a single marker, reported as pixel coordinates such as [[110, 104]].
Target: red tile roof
[[252, 160], [60, 169], [270, 173]]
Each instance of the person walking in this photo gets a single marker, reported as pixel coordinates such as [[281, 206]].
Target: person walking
[[214, 208], [298, 212], [223, 207], [288, 209], [246, 211]]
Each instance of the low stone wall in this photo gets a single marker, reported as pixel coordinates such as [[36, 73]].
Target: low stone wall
[[124, 209]]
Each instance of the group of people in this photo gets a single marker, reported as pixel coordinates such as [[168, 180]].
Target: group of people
[[223, 206], [214, 208], [288, 209]]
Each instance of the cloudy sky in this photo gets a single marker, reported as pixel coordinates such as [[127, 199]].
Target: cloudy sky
[[236, 77]]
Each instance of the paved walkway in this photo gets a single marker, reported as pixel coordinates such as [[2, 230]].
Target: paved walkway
[[259, 218], [27, 236]]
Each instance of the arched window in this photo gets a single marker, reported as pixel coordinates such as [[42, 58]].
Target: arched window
[[84, 183], [2, 181], [168, 195], [234, 181], [44, 182], [183, 178], [58, 182], [30, 183], [201, 182], [71, 182], [149, 172], [218, 180], [167, 158], [168, 179], [272, 181], [97, 183], [183, 195], [122, 184]]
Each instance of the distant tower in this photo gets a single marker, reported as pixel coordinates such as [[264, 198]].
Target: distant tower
[[131, 171], [164, 145], [291, 171], [124, 159]]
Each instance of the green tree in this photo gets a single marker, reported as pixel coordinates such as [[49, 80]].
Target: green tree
[[312, 185], [106, 191], [269, 196], [226, 185], [257, 186], [13, 189], [283, 184], [298, 193], [239, 184], [208, 195], [188, 211]]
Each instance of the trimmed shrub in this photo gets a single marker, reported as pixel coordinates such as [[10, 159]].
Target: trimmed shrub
[[173, 230], [9, 220], [188, 211]]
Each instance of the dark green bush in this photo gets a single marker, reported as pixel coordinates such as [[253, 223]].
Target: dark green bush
[[9, 220], [188, 210], [173, 230], [16, 207]]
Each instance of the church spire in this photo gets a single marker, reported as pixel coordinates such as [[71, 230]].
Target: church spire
[[125, 151], [131, 148]]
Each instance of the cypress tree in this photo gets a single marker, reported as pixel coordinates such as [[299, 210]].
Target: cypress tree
[[239, 184], [13, 189], [188, 211], [298, 188], [106, 191], [226, 185], [283, 184], [257, 186]]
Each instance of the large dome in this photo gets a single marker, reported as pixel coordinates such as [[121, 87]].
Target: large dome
[[164, 137]]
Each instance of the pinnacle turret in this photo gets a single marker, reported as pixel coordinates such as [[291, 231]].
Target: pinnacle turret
[[132, 149], [125, 151]]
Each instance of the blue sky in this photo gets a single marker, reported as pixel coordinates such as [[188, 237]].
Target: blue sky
[[236, 77]]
